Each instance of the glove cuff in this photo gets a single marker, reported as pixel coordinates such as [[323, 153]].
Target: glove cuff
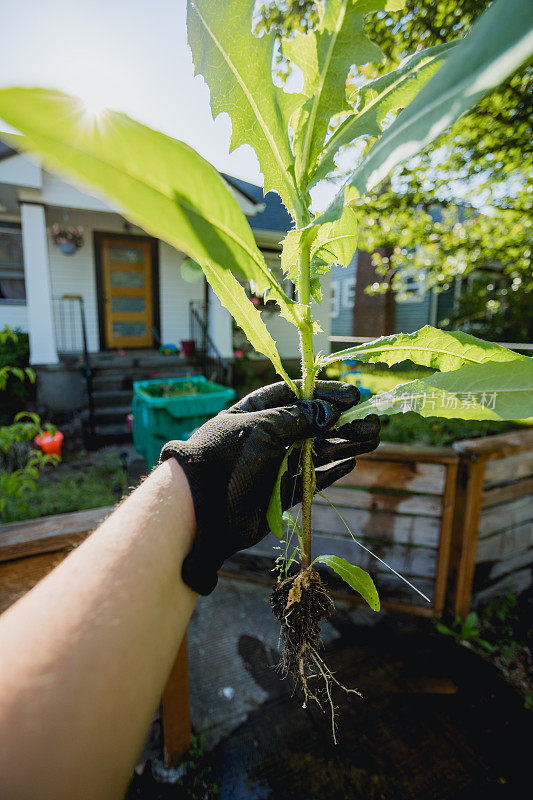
[[200, 566]]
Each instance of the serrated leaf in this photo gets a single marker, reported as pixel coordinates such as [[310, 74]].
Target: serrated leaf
[[501, 40], [232, 295], [377, 98], [429, 347], [237, 68], [331, 243], [489, 391], [359, 580], [336, 242], [274, 511], [325, 57]]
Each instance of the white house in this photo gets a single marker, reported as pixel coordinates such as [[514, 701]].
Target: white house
[[134, 292]]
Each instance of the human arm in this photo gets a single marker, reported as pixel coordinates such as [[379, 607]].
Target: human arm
[[86, 653]]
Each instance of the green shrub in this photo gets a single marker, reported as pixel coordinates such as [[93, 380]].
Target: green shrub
[[14, 354]]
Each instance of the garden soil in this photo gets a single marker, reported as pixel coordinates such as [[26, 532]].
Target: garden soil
[[435, 722]]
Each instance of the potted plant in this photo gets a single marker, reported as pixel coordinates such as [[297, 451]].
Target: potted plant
[[67, 239]]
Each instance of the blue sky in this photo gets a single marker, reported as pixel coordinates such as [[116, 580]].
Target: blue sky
[[131, 55]]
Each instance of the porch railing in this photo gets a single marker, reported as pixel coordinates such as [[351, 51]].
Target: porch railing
[[71, 338], [206, 355]]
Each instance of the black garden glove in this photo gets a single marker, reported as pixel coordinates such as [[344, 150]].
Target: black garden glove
[[232, 463]]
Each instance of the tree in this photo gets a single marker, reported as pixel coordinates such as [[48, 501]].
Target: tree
[[484, 160], [428, 217]]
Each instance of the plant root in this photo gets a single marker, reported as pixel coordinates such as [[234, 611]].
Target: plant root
[[300, 603]]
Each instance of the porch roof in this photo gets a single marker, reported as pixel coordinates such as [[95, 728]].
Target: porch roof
[[274, 216], [6, 151]]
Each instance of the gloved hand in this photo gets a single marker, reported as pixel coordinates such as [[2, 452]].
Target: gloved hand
[[232, 463]]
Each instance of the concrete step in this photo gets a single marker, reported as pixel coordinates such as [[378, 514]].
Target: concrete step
[[112, 434], [116, 397], [112, 414]]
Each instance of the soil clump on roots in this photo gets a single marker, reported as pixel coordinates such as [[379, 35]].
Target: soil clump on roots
[[300, 603]]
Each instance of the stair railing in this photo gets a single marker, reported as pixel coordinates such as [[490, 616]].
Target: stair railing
[[87, 371], [213, 365]]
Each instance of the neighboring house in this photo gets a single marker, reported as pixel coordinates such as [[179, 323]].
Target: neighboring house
[[132, 286], [354, 312]]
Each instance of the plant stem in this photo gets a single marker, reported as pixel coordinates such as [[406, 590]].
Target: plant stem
[[308, 383]]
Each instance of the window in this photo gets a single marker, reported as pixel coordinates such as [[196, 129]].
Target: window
[[12, 286]]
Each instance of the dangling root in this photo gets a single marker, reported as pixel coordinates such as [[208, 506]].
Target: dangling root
[[300, 603]]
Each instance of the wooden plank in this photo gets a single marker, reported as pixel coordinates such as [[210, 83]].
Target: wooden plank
[[443, 559], [510, 491], [501, 544], [396, 502], [404, 605], [407, 560], [391, 451], [513, 581], [409, 476], [514, 563], [48, 534], [175, 710], [20, 575], [465, 528], [392, 589], [509, 469], [508, 515], [379, 526], [496, 447]]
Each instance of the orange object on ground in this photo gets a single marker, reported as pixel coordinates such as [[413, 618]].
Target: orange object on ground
[[50, 444]]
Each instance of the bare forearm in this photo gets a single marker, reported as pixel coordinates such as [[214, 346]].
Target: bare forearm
[[87, 652]]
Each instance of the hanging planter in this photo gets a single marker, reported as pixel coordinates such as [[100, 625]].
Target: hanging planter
[[67, 239]]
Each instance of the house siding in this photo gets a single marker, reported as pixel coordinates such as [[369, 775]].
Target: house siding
[[410, 316], [76, 275], [286, 335], [14, 315], [343, 281]]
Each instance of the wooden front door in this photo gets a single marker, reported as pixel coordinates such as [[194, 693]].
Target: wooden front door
[[127, 290]]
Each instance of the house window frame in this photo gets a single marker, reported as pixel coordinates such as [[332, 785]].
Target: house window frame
[[13, 271]]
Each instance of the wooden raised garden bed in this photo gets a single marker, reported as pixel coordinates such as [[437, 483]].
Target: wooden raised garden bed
[[456, 521], [492, 547]]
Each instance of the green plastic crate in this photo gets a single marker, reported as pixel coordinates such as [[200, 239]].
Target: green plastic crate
[[156, 420]]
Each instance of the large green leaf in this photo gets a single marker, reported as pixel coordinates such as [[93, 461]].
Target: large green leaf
[[490, 391], [232, 295], [325, 56], [357, 578], [430, 347], [500, 41], [238, 70], [159, 183], [377, 98]]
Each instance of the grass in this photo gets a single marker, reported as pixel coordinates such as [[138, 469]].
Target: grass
[[74, 485], [411, 428]]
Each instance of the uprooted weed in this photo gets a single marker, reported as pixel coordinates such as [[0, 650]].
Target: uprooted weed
[[300, 603]]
